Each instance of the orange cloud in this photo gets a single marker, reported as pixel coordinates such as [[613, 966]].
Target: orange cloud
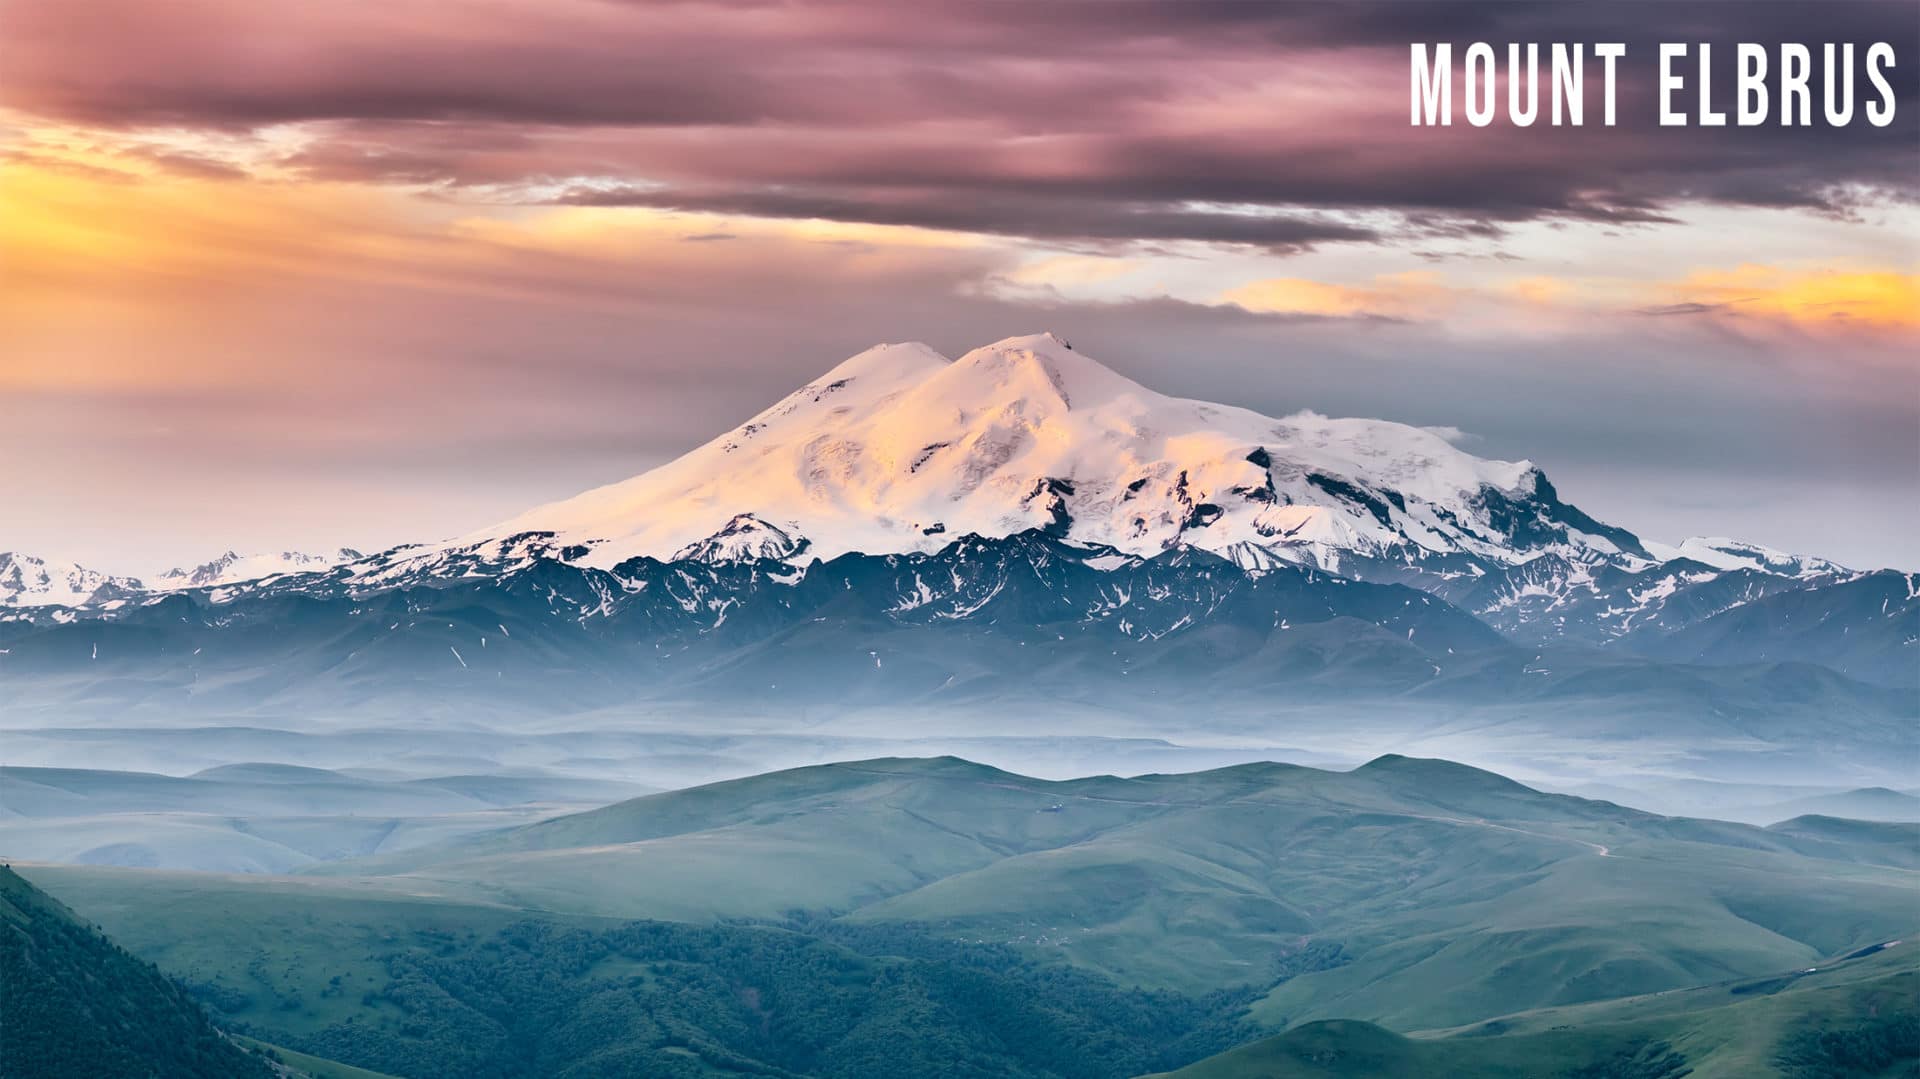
[[1543, 291], [1072, 271], [117, 274], [106, 268], [1876, 301], [1416, 294], [1820, 298]]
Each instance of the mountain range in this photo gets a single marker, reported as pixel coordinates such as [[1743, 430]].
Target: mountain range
[[908, 529], [31, 581]]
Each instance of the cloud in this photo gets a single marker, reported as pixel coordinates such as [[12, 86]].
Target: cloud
[[1277, 126], [183, 163], [1053, 274], [1845, 299], [1452, 434], [1686, 308], [1418, 294], [1878, 307], [344, 370], [1010, 214]]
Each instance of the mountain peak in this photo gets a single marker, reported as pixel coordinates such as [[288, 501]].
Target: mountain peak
[[1040, 366], [1434, 776], [745, 538], [906, 361]]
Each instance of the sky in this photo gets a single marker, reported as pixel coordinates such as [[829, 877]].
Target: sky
[[298, 276]]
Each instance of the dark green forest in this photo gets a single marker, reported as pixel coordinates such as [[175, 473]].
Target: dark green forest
[[826, 1000], [72, 1003], [1879, 1045]]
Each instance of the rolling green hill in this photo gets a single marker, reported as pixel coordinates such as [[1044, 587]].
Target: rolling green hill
[[1853, 1018], [288, 956], [1430, 875], [261, 818], [1885, 842]]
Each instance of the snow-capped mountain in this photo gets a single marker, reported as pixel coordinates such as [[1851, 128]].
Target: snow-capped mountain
[[900, 450], [1015, 531], [28, 581], [938, 470], [1730, 554], [233, 567]]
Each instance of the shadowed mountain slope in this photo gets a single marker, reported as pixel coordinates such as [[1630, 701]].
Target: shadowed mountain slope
[[73, 1004]]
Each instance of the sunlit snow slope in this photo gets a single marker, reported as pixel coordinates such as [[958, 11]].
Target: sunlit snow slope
[[899, 449]]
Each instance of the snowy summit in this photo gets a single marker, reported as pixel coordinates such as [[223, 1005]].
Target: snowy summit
[[901, 449]]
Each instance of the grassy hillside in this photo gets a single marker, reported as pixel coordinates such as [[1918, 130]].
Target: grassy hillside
[[1351, 1049], [273, 954], [1854, 1018], [73, 1004], [1885, 842]]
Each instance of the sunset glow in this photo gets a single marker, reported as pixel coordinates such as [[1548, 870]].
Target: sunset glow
[[253, 265]]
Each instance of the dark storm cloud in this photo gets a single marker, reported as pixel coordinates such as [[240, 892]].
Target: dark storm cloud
[[1086, 121]]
